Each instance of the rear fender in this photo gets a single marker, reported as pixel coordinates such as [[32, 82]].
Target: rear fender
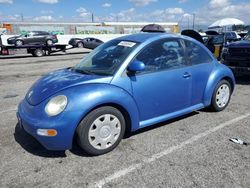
[[219, 73]]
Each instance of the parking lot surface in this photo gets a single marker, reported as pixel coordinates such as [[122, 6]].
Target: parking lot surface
[[191, 151]]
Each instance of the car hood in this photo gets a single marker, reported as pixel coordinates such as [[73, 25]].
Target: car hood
[[59, 80], [239, 44]]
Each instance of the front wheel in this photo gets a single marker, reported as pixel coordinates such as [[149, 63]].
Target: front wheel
[[221, 96], [19, 43], [49, 42], [101, 130]]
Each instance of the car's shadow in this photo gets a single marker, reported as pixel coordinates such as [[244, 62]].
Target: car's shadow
[[32, 146], [243, 80]]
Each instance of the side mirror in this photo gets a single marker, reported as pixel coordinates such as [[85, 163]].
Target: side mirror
[[135, 66]]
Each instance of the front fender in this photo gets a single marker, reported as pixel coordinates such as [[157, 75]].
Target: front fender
[[220, 72], [84, 98]]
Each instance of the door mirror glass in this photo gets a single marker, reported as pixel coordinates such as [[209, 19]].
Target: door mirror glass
[[136, 66]]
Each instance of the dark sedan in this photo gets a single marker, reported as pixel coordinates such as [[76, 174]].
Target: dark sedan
[[90, 43], [33, 37]]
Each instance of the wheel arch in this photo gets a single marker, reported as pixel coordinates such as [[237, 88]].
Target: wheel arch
[[219, 74], [110, 96]]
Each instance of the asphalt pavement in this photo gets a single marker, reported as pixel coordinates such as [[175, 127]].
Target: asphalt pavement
[[191, 151]]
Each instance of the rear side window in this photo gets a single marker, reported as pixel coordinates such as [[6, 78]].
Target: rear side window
[[196, 54]]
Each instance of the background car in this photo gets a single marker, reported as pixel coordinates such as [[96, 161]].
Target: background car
[[236, 55], [33, 37], [126, 84], [90, 43]]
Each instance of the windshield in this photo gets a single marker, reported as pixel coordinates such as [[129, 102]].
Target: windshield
[[247, 37], [107, 58]]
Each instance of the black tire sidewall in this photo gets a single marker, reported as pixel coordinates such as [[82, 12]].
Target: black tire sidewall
[[17, 41], [36, 53], [84, 126], [80, 45], [214, 105], [47, 42]]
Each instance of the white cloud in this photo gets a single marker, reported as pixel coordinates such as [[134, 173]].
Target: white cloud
[[6, 1], [218, 3], [48, 1], [15, 17], [126, 15], [44, 18], [106, 5], [46, 11], [183, 1], [142, 2], [219, 9], [174, 11], [83, 13]]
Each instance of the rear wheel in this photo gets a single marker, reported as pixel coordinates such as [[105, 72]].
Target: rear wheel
[[221, 96], [79, 45], [101, 130], [19, 43], [38, 53]]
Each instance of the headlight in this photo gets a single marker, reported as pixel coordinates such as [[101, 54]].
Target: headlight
[[225, 50], [56, 105]]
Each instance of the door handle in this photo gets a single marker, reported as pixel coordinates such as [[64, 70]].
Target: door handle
[[186, 75]]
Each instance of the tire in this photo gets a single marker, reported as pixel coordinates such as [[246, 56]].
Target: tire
[[49, 42], [96, 137], [80, 45], [38, 53], [18, 43], [221, 96]]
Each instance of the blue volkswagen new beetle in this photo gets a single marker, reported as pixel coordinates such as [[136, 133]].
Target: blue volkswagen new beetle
[[123, 85]]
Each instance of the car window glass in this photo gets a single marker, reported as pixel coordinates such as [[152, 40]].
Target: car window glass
[[162, 55], [196, 53], [30, 34], [218, 39], [107, 58]]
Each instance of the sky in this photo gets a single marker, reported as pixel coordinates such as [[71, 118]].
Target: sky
[[182, 11]]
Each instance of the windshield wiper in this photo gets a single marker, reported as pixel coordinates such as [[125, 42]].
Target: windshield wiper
[[84, 71]]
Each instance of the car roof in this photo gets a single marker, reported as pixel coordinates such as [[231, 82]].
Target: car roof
[[142, 37]]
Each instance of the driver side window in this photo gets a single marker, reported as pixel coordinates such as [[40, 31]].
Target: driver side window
[[162, 55]]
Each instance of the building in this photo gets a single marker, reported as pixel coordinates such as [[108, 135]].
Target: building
[[84, 28]]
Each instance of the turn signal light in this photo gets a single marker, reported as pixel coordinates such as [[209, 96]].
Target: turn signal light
[[46, 132]]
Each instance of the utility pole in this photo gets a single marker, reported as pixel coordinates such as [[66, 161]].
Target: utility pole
[[193, 20], [22, 17], [92, 17]]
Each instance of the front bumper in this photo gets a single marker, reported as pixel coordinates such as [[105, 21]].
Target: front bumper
[[30, 119], [239, 66]]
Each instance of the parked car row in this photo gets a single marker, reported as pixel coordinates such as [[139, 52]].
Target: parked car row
[[46, 38]]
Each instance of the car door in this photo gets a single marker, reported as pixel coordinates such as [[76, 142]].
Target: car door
[[39, 38], [88, 43], [29, 38], [202, 67], [165, 85]]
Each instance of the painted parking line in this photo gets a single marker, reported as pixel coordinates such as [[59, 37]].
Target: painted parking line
[[10, 110], [131, 168]]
